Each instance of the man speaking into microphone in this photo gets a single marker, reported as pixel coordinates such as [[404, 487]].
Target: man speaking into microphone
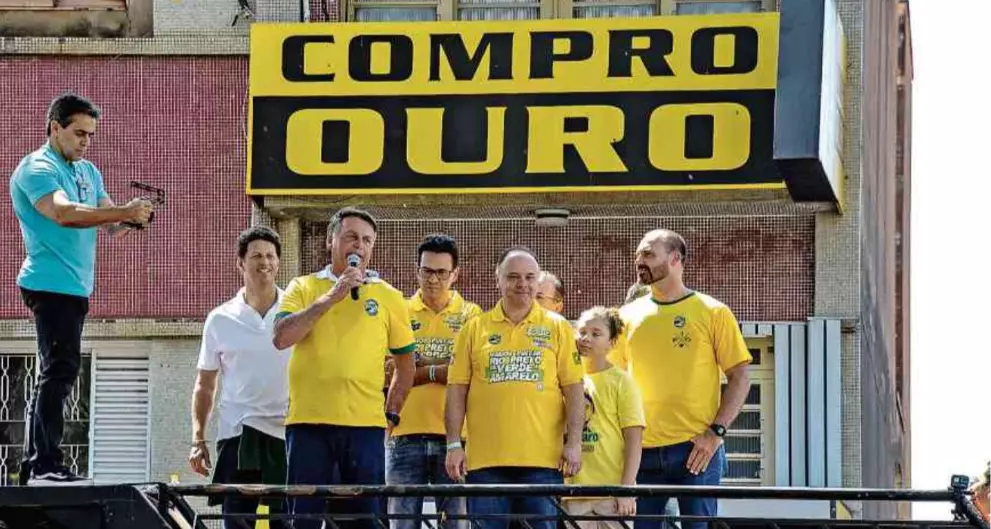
[[339, 322]]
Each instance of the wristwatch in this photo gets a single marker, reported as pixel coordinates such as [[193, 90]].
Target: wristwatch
[[718, 429], [392, 418]]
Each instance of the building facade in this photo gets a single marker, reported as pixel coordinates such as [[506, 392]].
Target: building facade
[[813, 259]]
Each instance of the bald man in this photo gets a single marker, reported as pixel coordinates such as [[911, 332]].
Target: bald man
[[521, 363]]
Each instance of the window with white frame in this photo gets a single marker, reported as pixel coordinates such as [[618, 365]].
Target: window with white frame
[[427, 10], [710, 7], [107, 414], [18, 369], [750, 439], [392, 11]]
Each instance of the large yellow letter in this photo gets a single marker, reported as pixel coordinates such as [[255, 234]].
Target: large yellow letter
[[423, 143], [730, 137], [547, 138], [304, 141]]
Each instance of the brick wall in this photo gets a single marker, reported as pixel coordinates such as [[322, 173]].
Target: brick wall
[[761, 266], [172, 122]]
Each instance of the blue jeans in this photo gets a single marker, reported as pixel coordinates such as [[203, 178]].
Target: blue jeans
[[419, 460], [533, 505], [322, 454], [666, 466]]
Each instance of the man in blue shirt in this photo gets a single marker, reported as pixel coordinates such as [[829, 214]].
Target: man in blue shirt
[[59, 200]]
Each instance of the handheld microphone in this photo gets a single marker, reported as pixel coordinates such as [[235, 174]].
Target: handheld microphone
[[353, 261]]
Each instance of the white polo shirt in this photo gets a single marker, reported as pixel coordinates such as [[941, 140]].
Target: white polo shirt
[[254, 380]]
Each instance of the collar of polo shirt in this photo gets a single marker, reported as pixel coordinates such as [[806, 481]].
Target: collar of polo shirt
[[455, 304], [498, 314]]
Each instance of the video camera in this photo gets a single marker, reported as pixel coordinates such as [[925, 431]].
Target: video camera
[[157, 198]]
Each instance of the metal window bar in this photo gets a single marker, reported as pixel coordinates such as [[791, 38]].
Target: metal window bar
[[18, 372], [959, 500]]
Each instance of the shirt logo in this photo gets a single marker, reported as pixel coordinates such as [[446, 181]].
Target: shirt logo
[[415, 325], [589, 436], [454, 322], [679, 321], [495, 339], [682, 340], [371, 307], [539, 335], [515, 366], [434, 348]]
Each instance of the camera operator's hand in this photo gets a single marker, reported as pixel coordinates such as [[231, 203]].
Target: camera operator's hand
[[138, 211], [350, 278]]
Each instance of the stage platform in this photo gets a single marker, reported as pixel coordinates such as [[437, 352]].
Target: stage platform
[[82, 506], [161, 506]]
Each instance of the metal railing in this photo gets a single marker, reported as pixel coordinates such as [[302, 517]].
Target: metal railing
[[172, 499]]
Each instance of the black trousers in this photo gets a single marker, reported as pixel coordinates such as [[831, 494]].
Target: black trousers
[[226, 471], [58, 320]]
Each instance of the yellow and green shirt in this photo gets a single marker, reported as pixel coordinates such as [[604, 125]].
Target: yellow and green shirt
[[515, 372], [677, 353], [335, 373], [612, 403], [423, 412]]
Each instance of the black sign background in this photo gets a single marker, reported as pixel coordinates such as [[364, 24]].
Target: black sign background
[[464, 140]]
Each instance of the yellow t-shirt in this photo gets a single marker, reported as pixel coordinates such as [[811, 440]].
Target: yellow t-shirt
[[515, 414], [677, 352], [335, 373], [423, 412], [617, 355], [612, 403]]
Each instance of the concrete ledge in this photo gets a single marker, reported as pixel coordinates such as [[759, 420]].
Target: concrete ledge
[[418, 207], [193, 44], [123, 328]]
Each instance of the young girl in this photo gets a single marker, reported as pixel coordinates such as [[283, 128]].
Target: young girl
[[614, 421]]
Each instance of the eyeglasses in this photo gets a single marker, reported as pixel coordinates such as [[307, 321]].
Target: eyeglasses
[[442, 275], [556, 299], [82, 185]]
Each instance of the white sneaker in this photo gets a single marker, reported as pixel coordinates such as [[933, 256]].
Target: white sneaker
[[55, 477]]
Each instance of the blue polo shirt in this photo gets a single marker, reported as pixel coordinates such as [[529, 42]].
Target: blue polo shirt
[[59, 259]]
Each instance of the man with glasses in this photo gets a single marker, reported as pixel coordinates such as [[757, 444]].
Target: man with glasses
[[550, 292], [59, 199], [417, 447]]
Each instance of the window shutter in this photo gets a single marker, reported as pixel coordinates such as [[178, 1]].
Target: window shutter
[[121, 418]]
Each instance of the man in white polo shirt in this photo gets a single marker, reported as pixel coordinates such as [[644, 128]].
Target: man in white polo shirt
[[254, 398]]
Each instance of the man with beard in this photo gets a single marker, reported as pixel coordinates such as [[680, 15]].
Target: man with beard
[[517, 372], [237, 345], [679, 342], [339, 322]]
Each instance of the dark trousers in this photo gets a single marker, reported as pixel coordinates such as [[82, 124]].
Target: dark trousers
[[666, 466], [504, 505], [323, 454], [58, 320], [226, 471]]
